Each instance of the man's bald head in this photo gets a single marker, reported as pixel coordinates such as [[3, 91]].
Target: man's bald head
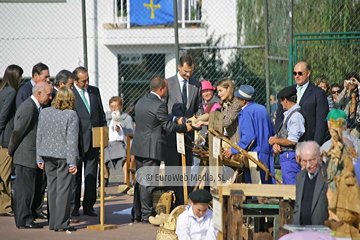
[[310, 156], [42, 91]]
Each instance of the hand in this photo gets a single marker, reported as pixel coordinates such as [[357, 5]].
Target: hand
[[73, 170], [117, 128], [355, 81], [276, 148], [7, 154], [346, 84], [272, 140], [188, 127], [227, 152], [41, 165], [179, 120], [201, 123]]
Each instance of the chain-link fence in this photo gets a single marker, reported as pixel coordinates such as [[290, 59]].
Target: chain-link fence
[[130, 41]]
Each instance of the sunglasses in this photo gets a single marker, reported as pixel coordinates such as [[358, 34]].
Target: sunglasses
[[300, 73], [338, 92]]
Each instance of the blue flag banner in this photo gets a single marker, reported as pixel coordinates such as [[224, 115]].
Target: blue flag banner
[[151, 12]]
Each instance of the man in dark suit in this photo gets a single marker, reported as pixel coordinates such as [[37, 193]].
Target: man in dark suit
[[40, 73], [22, 148], [183, 100], [311, 207], [90, 110], [312, 101], [152, 125]]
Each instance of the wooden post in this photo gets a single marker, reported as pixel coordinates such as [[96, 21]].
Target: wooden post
[[180, 145], [129, 136], [216, 119], [101, 139], [235, 214]]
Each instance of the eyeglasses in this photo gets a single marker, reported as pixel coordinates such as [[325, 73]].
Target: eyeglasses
[[304, 162], [300, 73], [334, 92], [83, 81]]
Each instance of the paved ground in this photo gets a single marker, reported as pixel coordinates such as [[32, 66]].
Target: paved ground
[[125, 230]]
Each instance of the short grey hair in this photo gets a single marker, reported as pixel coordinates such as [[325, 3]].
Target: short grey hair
[[310, 144], [40, 87], [63, 76]]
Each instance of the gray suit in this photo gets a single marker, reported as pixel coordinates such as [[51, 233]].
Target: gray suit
[[319, 211], [58, 150], [152, 125], [22, 148], [176, 108]]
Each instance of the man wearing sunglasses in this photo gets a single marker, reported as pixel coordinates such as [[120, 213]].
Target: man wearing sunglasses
[[313, 102]]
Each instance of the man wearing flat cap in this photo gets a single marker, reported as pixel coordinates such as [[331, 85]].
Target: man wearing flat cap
[[291, 131], [254, 125], [196, 222]]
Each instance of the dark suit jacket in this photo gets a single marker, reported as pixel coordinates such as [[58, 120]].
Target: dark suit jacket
[[96, 117], [24, 93], [22, 144], [319, 211], [152, 124], [7, 113], [315, 105]]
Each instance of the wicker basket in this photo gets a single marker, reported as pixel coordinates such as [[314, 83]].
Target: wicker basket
[[167, 232]]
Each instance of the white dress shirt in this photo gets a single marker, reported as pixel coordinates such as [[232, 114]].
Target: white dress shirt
[[304, 87], [189, 227], [181, 83], [38, 105]]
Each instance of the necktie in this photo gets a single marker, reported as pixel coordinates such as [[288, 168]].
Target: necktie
[[298, 94], [184, 93], [311, 176], [85, 100]]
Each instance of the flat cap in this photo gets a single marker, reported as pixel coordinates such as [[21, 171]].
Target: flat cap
[[287, 92], [200, 196]]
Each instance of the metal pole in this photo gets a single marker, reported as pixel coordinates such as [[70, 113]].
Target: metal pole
[[83, 12], [291, 60], [267, 71], [176, 30]]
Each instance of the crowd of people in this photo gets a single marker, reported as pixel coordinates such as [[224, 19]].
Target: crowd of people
[[46, 136]]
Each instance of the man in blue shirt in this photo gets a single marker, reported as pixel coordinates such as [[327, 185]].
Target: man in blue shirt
[[290, 132], [254, 125]]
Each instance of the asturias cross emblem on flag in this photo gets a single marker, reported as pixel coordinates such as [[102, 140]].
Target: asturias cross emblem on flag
[[161, 12], [152, 8]]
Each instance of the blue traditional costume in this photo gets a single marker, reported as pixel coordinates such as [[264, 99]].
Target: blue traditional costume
[[254, 124]]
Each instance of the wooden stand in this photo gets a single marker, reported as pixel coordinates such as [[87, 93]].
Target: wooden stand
[[129, 136], [101, 139], [232, 196]]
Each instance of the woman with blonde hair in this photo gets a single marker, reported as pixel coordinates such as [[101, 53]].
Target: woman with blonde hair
[[57, 153], [229, 107]]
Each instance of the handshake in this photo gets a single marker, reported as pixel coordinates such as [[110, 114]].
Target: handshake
[[193, 123]]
